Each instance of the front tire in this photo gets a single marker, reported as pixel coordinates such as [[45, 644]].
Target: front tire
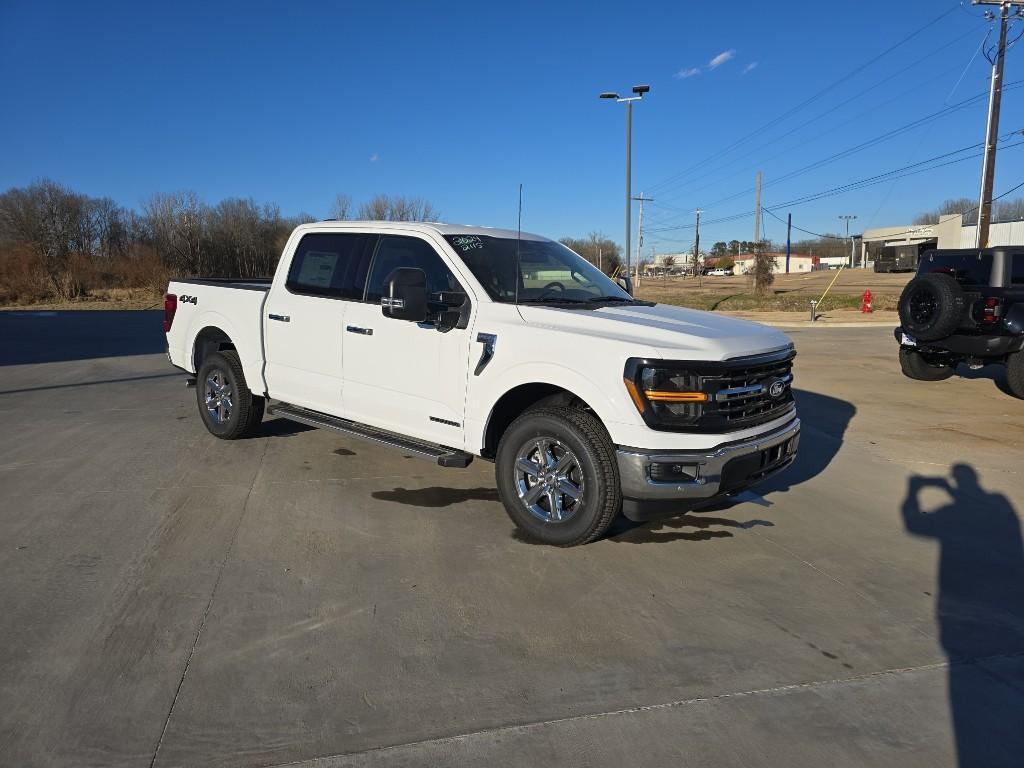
[[557, 476], [227, 407], [915, 366]]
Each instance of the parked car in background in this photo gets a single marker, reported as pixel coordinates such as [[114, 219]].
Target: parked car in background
[[721, 272], [451, 342]]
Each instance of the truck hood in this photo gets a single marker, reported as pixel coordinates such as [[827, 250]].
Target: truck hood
[[672, 332]]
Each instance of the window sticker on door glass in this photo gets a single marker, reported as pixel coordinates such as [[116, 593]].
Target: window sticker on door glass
[[468, 242], [317, 269]]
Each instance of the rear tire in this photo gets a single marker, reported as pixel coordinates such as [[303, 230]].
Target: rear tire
[[915, 366], [226, 405], [557, 476], [1015, 374]]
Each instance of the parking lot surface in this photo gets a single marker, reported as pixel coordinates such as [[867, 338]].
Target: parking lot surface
[[302, 598]]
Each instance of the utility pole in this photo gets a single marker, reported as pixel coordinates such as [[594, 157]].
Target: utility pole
[[599, 264], [696, 246], [640, 232], [789, 239], [757, 211], [988, 168], [848, 218]]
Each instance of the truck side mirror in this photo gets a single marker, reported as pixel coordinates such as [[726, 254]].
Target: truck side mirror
[[405, 295], [626, 284]]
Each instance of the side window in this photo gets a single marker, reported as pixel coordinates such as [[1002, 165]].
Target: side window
[[330, 264], [1018, 269], [395, 251]]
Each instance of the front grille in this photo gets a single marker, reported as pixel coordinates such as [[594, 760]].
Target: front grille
[[742, 395]]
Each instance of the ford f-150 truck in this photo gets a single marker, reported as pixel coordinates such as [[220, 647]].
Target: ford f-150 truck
[[454, 342]]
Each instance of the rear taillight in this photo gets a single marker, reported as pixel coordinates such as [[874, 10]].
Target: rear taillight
[[988, 313], [170, 307]]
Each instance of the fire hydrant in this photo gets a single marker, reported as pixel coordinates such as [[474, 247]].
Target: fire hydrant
[[865, 304]]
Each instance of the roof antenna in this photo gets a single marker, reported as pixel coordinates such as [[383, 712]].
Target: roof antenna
[[519, 234]]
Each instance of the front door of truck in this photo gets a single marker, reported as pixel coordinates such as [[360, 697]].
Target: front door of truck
[[304, 319], [406, 377]]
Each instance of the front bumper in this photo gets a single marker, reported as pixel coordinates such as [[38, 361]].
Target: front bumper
[[704, 475]]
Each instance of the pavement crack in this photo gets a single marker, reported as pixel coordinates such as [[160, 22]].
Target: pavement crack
[[529, 726], [209, 604]]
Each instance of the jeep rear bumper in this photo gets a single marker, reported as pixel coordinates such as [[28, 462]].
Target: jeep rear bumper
[[968, 345], [665, 483]]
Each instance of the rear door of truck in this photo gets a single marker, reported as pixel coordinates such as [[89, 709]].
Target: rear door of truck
[[304, 318]]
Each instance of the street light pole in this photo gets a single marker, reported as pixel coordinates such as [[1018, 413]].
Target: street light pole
[[638, 91], [629, 179]]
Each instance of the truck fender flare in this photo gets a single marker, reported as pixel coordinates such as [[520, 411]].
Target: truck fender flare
[[213, 324], [561, 378]]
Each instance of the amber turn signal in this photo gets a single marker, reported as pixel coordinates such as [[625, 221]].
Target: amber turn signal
[[656, 396], [638, 400]]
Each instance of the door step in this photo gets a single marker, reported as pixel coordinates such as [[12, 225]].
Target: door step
[[442, 455]]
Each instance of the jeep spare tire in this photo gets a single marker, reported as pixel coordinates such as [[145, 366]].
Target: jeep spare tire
[[932, 306]]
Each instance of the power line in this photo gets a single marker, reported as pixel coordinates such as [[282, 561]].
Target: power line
[[880, 139], [806, 102], [874, 106], [881, 178], [771, 213]]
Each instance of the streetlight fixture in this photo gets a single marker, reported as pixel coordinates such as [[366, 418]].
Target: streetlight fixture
[[638, 93]]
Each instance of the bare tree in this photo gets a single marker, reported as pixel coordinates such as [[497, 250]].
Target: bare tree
[[400, 208], [175, 222], [763, 269], [962, 205], [598, 249], [341, 207]]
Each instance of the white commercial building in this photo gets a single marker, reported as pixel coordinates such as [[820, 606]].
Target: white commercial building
[[797, 263]]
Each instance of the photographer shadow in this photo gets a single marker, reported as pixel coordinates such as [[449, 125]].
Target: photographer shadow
[[979, 610]]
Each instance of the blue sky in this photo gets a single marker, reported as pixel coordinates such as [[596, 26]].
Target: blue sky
[[293, 102]]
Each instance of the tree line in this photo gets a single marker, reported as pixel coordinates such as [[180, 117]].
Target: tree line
[[56, 243], [1002, 210]]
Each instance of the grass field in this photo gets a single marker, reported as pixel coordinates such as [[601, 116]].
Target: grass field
[[790, 293]]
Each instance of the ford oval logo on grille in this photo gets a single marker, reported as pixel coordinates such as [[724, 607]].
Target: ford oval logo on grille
[[777, 389]]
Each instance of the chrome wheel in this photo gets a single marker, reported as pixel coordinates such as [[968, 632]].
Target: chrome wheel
[[549, 480], [218, 397]]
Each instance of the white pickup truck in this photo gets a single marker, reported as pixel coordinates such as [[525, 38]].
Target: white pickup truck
[[454, 342]]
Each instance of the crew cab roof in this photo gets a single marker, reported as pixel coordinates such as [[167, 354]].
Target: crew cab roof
[[423, 227]]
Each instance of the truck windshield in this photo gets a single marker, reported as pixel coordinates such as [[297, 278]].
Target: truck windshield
[[548, 271]]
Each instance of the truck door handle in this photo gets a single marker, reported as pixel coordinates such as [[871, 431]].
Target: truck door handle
[[362, 331], [282, 318]]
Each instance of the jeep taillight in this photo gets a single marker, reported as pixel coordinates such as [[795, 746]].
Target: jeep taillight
[[170, 307], [988, 314]]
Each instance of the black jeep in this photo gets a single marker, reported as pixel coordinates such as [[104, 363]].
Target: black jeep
[[964, 306]]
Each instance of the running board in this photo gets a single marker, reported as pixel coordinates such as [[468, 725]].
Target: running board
[[445, 457]]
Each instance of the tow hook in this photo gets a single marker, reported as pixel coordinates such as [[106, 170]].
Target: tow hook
[[190, 382]]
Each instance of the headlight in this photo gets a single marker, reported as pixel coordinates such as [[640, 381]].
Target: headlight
[[666, 393]]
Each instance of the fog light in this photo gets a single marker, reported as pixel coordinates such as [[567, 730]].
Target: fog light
[[672, 472]]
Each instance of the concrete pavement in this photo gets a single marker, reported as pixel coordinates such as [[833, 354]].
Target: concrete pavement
[[302, 598]]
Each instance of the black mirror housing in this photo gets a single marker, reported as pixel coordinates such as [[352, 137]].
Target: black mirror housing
[[626, 284], [405, 295]]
